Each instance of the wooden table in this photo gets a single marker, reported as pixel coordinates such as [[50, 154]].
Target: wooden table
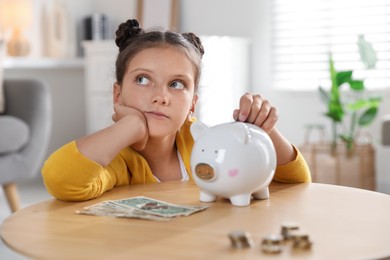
[[343, 223]]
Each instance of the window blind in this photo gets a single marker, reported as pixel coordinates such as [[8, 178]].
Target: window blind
[[304, 32]]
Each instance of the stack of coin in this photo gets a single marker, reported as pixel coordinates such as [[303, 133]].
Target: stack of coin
[[272, 244], [241, 239], [300, 240], [287, 228]]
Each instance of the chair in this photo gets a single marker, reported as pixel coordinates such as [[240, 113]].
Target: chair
[[25, 128]]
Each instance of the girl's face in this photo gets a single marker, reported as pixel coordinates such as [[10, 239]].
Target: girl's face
[[159, 82]]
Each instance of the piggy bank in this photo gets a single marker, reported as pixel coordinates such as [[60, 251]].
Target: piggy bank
[[232, 160]]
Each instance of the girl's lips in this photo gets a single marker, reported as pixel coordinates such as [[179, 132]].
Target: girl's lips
[[156, 114]]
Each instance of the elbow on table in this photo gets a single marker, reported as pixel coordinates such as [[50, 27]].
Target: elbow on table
[[67, 189]]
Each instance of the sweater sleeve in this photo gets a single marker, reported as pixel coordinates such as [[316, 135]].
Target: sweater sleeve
[[295, 171], [69, 175]]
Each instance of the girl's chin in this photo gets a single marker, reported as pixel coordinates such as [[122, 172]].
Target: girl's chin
[[160, 132]]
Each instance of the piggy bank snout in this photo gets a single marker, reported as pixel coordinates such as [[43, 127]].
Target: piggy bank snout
[[204, 171]]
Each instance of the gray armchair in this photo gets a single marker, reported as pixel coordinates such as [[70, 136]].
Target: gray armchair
[[25, 129]]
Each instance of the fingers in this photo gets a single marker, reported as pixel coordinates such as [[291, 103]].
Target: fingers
[[259, 110], [121, 111], [245, 107], [270, 121], [117, 112], [235, 114], [136, 120], [256, 110]]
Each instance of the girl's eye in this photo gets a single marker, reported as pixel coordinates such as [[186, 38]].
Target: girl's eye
[[177, 85], [142, 80]]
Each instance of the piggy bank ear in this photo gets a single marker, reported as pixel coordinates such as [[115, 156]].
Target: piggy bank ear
[[241, 131], [197, 128]]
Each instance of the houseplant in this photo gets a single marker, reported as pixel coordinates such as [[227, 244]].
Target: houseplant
[[353, 104], [347, 159]]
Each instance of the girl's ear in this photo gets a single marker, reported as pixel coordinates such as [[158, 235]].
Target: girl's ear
[[116, 93], [194, 100], [192, 108]]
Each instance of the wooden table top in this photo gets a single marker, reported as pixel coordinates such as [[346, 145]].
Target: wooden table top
[[343, 223]]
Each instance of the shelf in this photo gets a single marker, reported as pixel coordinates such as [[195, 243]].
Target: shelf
[[43, 63]]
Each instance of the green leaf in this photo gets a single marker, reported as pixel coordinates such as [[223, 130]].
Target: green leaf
[[343, 77], [324, 96], [346, 138], [356, 85], [364, 103], [358, 104], [335, 112], [333, 74], [368, 116], [334, 98], [375, 101], [367, 53]]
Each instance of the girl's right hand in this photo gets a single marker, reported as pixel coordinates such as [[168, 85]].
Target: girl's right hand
[[123, 113]]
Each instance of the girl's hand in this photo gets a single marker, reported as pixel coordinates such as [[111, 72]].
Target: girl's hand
[[256, 110], [123, 113]]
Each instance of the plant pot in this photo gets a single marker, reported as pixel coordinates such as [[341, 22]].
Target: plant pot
[[341, 166]]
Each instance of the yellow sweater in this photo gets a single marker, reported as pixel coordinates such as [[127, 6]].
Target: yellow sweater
[[70, 176]]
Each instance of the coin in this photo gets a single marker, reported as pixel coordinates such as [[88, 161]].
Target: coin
[[300, 240], [287, 228], [272, 244], [240, 239]]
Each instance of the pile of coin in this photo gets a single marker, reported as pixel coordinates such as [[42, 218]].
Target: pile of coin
[[241, 239], [300, 240], [272, 244], [287, 229], [290, 235]]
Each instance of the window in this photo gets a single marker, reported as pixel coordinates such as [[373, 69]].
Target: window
[[225, 77], [306, 31]]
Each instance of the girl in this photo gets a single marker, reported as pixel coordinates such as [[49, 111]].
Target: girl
[[155, 93]]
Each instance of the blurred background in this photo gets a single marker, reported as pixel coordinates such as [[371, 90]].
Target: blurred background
[[278, 48]]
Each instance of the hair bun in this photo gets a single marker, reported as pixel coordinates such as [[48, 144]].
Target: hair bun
[[195, 40], [125, 31]]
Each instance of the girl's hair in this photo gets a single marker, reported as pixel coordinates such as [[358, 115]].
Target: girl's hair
[[131, 39]]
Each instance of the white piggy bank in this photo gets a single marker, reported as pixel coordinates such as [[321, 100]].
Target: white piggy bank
[[232, 160]]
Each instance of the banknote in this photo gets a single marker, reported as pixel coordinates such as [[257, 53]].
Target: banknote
[[108, 209], [141, 207], [157, 207]]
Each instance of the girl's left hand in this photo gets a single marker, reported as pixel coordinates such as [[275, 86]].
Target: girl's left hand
[[256, 110]]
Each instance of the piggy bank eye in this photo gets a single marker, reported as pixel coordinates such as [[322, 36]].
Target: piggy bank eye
[[202, 150], [216, 151]]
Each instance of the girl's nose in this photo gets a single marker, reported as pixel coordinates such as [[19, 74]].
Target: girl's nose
[[160, 96]]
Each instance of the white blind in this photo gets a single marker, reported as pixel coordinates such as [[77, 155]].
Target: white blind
[[306, 31]]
